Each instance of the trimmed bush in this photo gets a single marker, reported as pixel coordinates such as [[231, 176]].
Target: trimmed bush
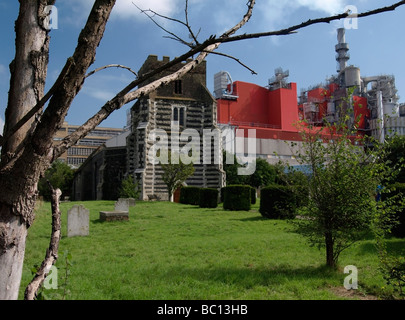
[[237, 197], [277, 202], [190, 195], [208, 198]]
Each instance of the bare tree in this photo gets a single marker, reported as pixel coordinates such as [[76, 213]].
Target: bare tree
[[27, 141]]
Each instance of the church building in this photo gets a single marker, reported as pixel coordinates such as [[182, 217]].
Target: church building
[[181, 116]]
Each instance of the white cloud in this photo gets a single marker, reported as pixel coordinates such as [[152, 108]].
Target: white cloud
[[278, 12], [99, 94], [126, 9], [326, 6], [123, 9]]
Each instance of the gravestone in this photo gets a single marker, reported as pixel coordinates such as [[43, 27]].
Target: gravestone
[[122, 205], [78, 221], [121, 212]]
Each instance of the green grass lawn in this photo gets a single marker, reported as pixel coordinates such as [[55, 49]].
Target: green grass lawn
[[174, 251]]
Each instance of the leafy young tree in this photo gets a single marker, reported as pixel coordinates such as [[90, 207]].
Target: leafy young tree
[[60, 175], [343, 183], [394, 153], [174, 174], [33, 117], [129, 188]]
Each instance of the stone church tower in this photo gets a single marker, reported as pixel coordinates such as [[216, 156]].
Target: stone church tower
[[188, 104]]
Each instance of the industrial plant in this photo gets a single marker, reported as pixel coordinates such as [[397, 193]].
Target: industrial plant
[[274, 110]]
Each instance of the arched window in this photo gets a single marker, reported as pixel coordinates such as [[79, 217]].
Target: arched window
[[175, 114], [179, 115]]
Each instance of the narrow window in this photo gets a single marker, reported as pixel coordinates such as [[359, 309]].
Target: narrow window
[[175, 114], [179, 115], [178, 87]]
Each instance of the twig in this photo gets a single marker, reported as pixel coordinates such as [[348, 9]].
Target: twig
[[193, 36], [236, 59], [172, 36], [52, 252], [111, 66]]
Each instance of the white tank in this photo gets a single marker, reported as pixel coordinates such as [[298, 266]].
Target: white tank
[[402, 110], [352, 77], [391, 109]]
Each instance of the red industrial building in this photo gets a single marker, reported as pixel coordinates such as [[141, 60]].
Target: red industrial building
[[272, 113]]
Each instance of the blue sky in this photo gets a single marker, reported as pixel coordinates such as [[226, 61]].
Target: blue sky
[[377, 46]]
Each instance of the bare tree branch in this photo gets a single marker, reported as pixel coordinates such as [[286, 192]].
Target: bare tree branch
[[38, 107], [172, 36], [293, 29], [190, 30], [83, 57], [111, 66], [52, 252]]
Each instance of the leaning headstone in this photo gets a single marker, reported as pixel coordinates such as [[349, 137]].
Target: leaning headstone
[[114, 216], [122, 205], [78, 221]]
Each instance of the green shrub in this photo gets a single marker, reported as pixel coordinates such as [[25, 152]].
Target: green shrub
[[237, 197], [129, 188], [278, 202], [208, 198], [190, 195]]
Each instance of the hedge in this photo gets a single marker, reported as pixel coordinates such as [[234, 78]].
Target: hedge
[[208, 198], [190, 195], [278, 202], [237, 197]]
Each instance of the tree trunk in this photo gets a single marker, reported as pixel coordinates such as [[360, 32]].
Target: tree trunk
[[330, 260], [12, 246], [18, 193], [17, 178], [28, 152], [28, 72]]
